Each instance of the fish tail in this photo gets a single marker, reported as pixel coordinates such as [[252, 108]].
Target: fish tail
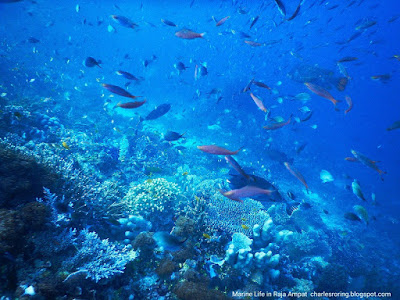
[[202, 34], [237, 151]]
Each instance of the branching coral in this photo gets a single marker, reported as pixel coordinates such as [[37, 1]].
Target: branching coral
[[98, 259]]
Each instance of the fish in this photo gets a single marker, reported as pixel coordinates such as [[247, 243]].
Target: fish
[[65, 145], [253, 44], [172, 136], [281, 7], [296, 12], [212, 149], [277, 156], [343, 71], [357, 190], [350, 105], [382, 77], [33, 40], [127, 75], [157, 112], [91, 62], [230, 160], [367, 162], [351, 216], [296, 174], [341, 85], [248, 86], [361, 213], [347, 59], [321, 92], [207, 236], [245, 227], [373, 198], [325, 176], [180, 66], [255, 19], [395, 125], [301, 148], [124, 21], [366, 24], [169, 23], [278, 125], [258, 102], [130, 105], [244, 192], [304, 109], [222, 21], [118, 91], [261, 84], [304, 97], [189, 34]]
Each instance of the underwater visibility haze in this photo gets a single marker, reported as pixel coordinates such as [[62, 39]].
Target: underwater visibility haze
[[199, 149]]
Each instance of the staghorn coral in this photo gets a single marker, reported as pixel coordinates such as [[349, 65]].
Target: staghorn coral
[[98, 259]]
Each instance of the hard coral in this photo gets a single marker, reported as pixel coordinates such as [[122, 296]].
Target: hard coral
[[154, 199], [11, 229], [334, 278], [34, 215], [21, 177], [166, 268]]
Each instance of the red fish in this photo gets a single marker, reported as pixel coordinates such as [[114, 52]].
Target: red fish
[[278, 125], [188, 34], [349, 103], [130, 105], [367, 162], [321, 92], [247, 191], [229, 159], [296, 174], [222, 21], [212, 149], [258, 102], [119, 91]]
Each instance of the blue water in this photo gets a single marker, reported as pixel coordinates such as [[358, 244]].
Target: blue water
[[46, 78]]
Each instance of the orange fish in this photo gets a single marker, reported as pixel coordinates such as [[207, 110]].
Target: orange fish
[[296, 174], [278, 125], [258, 102], [321, 92], [349, 103], [244, 192]]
